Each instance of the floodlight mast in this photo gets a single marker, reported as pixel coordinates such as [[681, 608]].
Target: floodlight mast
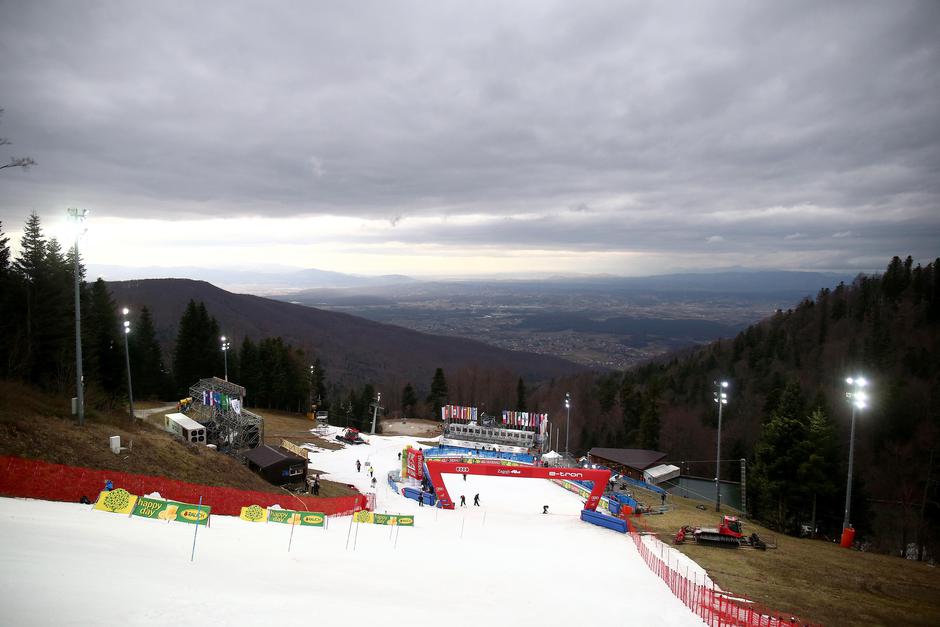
[[722, 399], [225, 346], [567, 422], [127, 355], [78, 216], [859, 399]]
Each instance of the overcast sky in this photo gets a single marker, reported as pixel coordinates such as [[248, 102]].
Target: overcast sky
[[476, 137]]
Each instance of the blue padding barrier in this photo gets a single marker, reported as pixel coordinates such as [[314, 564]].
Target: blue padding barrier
[[613, 505], [626, 500], [429, 498], [603, 520]]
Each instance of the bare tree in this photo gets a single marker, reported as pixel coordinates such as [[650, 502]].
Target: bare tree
[[15, 162]]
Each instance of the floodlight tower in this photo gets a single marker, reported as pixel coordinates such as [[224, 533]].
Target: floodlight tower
[[567, 421], [375, 411], [78, 216], [859, 399], [225, 346], [721, 397], [127, 356]]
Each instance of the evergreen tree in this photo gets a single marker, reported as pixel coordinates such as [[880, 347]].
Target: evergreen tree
[[197, 354], [408, 399], [249, 369], [105, 350], [631, 407], [147, 365], [438, 396], [520, 395], [649, 422], [318, 383]]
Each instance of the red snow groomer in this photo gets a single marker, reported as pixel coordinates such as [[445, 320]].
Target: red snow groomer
[[729, 533], [351, 436]]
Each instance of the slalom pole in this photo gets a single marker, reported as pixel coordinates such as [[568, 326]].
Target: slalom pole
[[350, 529], [396, 538], [463, 521], [484, 518], [356, 536], [292, 525], [198, 516]]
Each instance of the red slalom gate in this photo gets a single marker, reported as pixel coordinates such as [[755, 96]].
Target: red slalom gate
[[716, 607], [57, 482], [437, 468]]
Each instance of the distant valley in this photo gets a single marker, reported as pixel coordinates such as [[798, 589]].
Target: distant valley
[[600, 322]]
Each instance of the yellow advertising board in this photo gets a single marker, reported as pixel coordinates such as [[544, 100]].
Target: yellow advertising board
[[118, 501], [363, 516], [254, 513]]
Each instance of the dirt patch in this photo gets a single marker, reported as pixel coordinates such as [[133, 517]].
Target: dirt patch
[[414, 427]]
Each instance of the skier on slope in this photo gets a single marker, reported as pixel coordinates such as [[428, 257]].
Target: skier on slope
[[476, 500], [463, 501]]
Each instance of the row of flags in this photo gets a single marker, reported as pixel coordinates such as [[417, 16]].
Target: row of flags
[[222, 401], [523, 418], [531, 420], [458, 413]]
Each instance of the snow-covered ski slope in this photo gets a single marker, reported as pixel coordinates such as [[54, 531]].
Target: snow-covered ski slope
[[503, 563]]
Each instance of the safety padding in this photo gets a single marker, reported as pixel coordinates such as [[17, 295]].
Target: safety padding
[[603, 520]]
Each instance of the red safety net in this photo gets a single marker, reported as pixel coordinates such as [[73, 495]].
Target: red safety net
[[716, 607], [57, 482]]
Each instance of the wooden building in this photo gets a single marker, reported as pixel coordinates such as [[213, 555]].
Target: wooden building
[[277, 465], [626, 461]]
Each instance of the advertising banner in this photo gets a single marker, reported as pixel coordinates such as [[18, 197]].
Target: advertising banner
[[415, 464], [151, 508], [312, 519], [284, 516], [363, 516], [118, 501], [189, 513], [254, 513], [404, 461], [401, 520]]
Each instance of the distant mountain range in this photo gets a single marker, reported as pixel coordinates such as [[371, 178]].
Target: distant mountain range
[[353, 350]]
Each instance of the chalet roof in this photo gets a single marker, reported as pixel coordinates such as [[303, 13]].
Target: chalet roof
[[636, 458], [265, 456]]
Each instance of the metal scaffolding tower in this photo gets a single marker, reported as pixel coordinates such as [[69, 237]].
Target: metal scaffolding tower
[[217, 404]]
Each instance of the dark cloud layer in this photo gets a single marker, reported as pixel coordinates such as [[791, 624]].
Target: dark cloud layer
[[747, 127]]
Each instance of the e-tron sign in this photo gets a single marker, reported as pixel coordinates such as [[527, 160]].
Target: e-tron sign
[[438, 468]]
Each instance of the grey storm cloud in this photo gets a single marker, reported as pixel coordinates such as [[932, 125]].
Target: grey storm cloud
[[602, 126]]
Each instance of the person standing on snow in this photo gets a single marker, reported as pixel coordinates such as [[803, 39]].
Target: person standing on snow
[[463, 501], [476, 500], [358, 466]]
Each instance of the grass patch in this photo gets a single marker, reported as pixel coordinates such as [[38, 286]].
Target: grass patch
[[816, 580], [40, 426]]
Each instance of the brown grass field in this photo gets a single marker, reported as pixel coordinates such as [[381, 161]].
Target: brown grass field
[[39, 426], [816, 580]]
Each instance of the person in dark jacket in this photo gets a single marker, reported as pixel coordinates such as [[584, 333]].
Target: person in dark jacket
[[84, 500], [316, 486], [108, 486], [476, 500], [463, 501], [358, 466]]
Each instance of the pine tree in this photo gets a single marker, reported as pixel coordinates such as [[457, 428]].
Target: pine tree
[[520, 395], [105, 350], [408, 399], [438, 395], [149, 371]]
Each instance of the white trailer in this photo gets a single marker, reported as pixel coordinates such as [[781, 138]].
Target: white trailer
[[184, 427]]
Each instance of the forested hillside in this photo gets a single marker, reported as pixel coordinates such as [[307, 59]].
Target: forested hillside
[[788, 413]]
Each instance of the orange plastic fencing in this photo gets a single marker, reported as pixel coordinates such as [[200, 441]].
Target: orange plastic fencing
[[716, 607], [56, 482]]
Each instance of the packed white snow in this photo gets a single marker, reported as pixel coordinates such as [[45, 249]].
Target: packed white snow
[[502, 563]]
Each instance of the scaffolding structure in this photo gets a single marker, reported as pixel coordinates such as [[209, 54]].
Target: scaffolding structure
[[217, 404]]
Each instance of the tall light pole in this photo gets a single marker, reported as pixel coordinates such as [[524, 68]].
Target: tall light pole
[[567, 421], [78, 215], [859, 399], [375, 411], [127, 356], [225, 346], [722, 399]]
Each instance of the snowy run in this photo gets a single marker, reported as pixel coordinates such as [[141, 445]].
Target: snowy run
[[501, 563]]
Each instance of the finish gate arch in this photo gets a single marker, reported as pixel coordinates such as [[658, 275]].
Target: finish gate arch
[[438, 468]]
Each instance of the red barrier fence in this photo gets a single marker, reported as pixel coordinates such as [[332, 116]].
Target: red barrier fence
[[56, 482], [716, 607]]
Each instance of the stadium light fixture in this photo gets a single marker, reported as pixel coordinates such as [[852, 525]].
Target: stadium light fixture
[[721, 398], [225, 346], [858, 398], [127, 358]]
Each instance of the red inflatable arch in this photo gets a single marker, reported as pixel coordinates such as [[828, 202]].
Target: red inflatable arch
[[436, 469]]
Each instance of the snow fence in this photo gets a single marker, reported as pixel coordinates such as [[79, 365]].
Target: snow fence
[[716, 607], [57, 482]]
